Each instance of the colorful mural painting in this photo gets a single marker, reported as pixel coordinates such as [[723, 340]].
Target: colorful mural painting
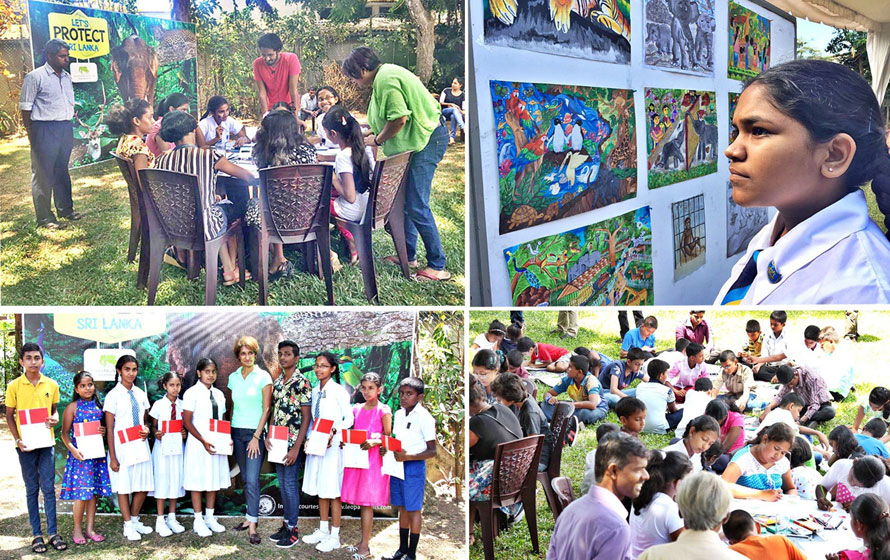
[[562, 150], [733, 102], [749, 43], [680, 35], [681, 140], [606, 263], [591, 29], [742, 224], [688, 220]]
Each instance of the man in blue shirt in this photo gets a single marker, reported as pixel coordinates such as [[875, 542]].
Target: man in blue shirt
[[47, 106], [642, 337]]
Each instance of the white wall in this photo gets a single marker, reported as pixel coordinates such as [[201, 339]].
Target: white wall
[[499, 63]]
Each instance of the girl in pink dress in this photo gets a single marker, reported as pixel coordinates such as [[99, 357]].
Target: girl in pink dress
[[368, 487]]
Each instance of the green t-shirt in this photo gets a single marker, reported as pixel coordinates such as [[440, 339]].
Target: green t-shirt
[[397, 93], [247, 397]]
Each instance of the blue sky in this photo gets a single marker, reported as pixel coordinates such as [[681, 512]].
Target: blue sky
[[816, 34]]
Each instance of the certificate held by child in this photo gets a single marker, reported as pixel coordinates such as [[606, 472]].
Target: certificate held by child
[[131, 448], [320, 436], [33, 431], [89, 440], [171, 441]]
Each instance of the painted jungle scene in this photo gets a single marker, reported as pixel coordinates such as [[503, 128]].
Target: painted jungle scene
[[562, 150], [605, 263]]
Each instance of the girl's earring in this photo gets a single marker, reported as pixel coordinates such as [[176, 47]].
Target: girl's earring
[[830, 169]]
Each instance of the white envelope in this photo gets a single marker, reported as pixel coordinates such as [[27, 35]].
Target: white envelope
[[355, 457], [392, 467], [317, 443]]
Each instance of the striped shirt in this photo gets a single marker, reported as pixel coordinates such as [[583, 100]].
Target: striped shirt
[[195, 161], [49, 96], [756, 476]]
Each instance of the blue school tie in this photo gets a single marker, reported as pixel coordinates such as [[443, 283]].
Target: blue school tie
[[134, 407], [740, 287]]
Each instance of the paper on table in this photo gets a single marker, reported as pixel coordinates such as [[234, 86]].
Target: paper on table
[[33, 430], [390, 465], [221, 437], [277, 437], [354, 456], [171, 443], [131, 449], [317, 442], [89, 442]]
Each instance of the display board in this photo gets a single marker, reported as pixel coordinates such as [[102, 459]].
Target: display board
[[375, 342], [679, 69], [126, 56]]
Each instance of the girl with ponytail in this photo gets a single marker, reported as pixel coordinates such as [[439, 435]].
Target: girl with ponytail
[[871, 523], [656, 517], [353, 168], [807, 135]]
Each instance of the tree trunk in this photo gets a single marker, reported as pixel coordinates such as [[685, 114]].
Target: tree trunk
[[426, 39], [181, 10]]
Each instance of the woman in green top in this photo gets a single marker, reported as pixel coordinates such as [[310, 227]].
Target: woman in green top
[[405, 117], [251, 392]]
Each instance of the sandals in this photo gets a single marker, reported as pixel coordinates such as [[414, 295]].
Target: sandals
[[439, 275], [57, 543], [360, 556], [79, 541], [254, 538], [232, 278], [393, 259], [242, 527], [38, 546], [96, 537], [284, 270]]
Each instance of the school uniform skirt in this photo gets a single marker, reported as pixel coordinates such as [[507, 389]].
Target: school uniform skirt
[[203, 472], [168, 473], [323, 476], [132, 478]]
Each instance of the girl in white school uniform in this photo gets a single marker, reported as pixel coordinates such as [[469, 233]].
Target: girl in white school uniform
[[126, 406], [323, 475], [167, 468], [809, 133], [205, 471]]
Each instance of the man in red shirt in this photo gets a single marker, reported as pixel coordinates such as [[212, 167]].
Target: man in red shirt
[[276, 73]]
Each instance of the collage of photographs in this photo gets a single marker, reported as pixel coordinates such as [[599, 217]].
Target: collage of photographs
[[574, 280]]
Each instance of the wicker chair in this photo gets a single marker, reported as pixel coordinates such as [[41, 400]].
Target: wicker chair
[[138, 220], [562, 489], [386, 208], [559, 424], [512, 481], [295, 208], [175, 210]]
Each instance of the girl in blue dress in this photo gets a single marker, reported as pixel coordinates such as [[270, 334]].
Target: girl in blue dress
[[84, 480]]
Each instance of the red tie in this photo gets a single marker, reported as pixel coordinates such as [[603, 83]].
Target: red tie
[[173, 412]]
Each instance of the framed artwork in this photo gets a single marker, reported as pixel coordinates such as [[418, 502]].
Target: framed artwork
[[749, 43], [606, 263], [590, 29], [742, 224], [688, 221], [680, 35], [562, 150], [681, 140]]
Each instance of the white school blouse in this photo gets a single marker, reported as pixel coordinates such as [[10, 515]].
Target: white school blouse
[[414, 429], [838, 255], [118, 402], [231, 128], [197, 401]]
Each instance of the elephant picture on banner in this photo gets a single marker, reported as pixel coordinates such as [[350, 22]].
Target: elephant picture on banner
[[134, 66]]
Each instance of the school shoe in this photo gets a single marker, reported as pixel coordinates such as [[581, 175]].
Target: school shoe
[[316, 536], [161, 528], [201, 528], [131, 533], [290, 539], [282, 532], [329, 543], [174, 525], [397, 555], [143, 529], [213, 524]]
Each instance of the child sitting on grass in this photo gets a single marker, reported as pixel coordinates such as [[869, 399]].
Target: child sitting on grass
[[752, 347], [590, 461], [617, 376], [513, 362], [490, 340], [583, 389], [554, 358], [870, 438], [513, 334], [744, 537], [874, 406], [805, 478], [696, 401], [631, 412], [661, 411], [510, 391]]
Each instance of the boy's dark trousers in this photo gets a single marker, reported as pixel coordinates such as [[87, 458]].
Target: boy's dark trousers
[[38, 471]]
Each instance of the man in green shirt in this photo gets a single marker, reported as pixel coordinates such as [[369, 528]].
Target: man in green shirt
[[404, 117]]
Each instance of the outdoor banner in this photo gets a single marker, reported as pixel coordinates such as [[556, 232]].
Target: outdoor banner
[[114, 57], [364, 342]]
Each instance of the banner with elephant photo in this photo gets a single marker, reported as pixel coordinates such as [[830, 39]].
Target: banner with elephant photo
[[134, 57], [363, 341]]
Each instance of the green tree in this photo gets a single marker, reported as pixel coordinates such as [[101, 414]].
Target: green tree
[[806, 51], [848, 48]]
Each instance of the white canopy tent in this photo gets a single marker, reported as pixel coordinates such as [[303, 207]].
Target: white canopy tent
[[872, 16]]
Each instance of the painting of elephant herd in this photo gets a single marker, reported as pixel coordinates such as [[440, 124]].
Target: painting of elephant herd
[[138, 57]]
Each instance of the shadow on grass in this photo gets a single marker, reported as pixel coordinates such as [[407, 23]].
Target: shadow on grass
[[85, 264]]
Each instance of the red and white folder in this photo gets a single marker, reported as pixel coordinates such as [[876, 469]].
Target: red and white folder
[[89, 442], [277, 437], [220, 433], [33, 430], [130, 448], [171, 443], [317, 441], [354, 456], [390, 465]]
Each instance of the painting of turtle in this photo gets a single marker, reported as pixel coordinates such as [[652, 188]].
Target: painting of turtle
[[605, 263], [589, 29], [681, 139], [562, 150]]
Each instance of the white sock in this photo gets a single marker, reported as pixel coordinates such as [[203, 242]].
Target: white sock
[[171, 516], [323, 525], [128, 523], [335, 531], [198, 516], [208, 512], [134, 519]]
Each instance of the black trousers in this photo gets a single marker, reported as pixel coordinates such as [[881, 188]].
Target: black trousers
[[824, 414], [51, 144], [765, 373], [624, 325]]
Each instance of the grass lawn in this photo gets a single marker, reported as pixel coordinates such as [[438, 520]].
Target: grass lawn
[[86, 263], [598, 330]]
